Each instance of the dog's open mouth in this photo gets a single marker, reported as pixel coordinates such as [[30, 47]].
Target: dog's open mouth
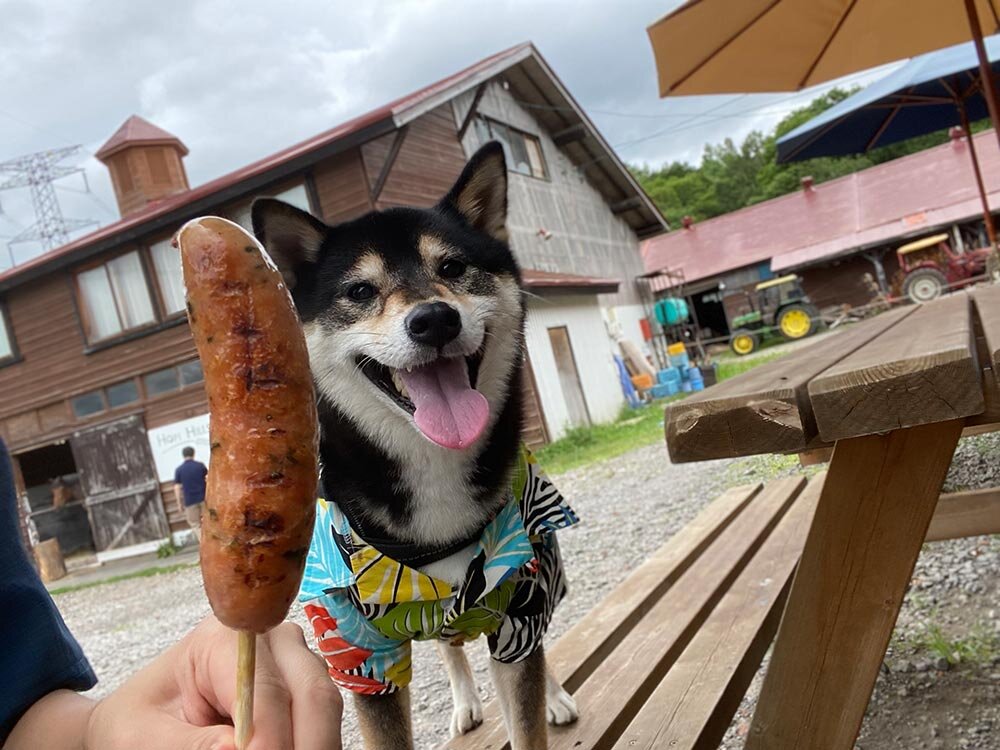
[[440, 395]]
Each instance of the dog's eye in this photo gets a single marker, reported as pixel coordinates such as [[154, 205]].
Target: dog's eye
[[361, 292], [451, 269]]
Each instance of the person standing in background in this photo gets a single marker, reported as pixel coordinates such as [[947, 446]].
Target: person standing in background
[[189, 489]]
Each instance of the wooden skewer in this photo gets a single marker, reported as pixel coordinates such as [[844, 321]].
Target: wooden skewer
[[246, 663]]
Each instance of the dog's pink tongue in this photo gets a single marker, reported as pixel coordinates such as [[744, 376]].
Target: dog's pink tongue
[[449, 411]]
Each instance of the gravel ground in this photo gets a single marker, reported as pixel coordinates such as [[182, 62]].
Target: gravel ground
[[629, 506]]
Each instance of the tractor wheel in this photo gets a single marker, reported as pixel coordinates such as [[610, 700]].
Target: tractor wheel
[[744, 342], [924, 284], [797, 321]]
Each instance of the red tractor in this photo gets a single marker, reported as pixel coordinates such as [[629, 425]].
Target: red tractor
[[930, 266]]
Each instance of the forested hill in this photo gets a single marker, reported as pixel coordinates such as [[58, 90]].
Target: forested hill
[[732, 176]]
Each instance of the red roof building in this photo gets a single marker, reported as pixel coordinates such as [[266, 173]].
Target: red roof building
[[883, 205]]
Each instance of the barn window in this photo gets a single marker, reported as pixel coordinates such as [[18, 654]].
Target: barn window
[[161, 381], [122, 394], [297, 196], [87, 404], [115, 297], [167, 264], [191, 373], [523, 150], [7, 351]]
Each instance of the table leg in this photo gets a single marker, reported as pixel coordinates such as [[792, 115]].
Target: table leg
[[873, 514]]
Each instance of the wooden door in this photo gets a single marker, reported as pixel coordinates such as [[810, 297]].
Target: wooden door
[[569, 377], [119, 484], [533, 428]]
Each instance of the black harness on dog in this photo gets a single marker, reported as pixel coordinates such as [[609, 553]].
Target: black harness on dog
[[412, 554]]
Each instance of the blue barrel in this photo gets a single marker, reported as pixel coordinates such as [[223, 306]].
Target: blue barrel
[[660, 390], [697, 385], [694, 375], [686, 386], [669, 375]]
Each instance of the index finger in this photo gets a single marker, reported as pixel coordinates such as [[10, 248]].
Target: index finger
[[317, 708]]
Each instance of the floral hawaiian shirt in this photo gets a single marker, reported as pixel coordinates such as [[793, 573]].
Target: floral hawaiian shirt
[[365, 608]]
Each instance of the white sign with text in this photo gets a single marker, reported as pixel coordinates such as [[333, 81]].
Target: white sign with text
[[168, 441]]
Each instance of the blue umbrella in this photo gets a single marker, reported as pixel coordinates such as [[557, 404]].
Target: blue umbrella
[[927, 94]]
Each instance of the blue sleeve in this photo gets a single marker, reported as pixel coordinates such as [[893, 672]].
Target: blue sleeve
[[38, 653]]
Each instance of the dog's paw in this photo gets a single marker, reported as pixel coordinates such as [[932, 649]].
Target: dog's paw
[[468, 715], [560, 706]]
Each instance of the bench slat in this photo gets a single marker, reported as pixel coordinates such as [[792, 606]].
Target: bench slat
[[925, 370], [765, 410], [963, 514], [631, 672], [694, 704], [580, 651]]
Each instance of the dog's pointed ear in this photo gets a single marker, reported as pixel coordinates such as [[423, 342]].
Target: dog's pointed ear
[[292, 237], [480, 195]]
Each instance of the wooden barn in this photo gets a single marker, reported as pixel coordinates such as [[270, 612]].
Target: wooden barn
[[100, 387]]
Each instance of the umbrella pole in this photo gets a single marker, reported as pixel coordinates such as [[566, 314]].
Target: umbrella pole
[[985, 71], [987, 216]]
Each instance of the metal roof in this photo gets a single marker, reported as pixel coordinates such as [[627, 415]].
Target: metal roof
[[527, 74], [136, 130], [881, 205]]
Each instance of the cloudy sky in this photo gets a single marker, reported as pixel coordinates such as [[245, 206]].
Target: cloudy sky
[[239, 80]]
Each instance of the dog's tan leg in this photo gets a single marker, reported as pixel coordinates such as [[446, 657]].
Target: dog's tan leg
[[559, 705], [385, 720], [521, 691], [467, 713]]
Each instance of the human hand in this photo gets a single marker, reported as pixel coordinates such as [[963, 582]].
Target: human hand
[[184, 698]]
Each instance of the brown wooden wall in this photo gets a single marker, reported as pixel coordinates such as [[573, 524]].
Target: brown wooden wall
[[428, 161], [342, 188], [141, 174], [54, 367]]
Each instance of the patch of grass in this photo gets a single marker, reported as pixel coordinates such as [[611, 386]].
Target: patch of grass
[[634, 428], [729, 368], [978, 646], [146, 573], [167, 549]]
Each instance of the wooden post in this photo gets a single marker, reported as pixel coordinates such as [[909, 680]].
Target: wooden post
[[987, 215], [51, 566], [873, 515]]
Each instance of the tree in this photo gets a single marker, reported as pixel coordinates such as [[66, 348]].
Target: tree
[[731, 177]]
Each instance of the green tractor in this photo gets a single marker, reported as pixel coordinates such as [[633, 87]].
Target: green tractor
[[780, 306]]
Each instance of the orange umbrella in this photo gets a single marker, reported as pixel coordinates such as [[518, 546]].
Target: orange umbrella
[[749, 46]]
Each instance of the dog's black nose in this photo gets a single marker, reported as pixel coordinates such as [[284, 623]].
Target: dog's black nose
[[434, 324]]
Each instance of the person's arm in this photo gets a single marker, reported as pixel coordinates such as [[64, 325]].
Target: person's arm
[[183, 698], [178, 490]]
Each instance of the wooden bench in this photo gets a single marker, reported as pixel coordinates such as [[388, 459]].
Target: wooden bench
[[666, 657]]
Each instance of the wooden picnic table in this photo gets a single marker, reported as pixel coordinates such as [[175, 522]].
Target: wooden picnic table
[[891, 397]]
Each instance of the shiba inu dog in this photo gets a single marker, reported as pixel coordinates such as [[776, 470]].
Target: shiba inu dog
[[435, 521]]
